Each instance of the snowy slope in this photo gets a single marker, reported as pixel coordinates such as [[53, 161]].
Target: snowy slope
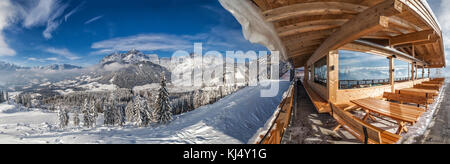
[[234, 119]]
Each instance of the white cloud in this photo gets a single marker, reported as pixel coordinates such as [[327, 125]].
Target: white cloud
[[48, 13], [145, 42], [43, 60], [33, 59], [217, 39], [7, 13], [78, 8], [93, 19], [52, 59], [64, 52]]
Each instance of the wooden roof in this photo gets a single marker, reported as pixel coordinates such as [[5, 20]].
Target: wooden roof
[[309, 28]]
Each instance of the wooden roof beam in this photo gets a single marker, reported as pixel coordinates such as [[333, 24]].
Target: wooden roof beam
[[303, 51], [300, 45], [433, 40], [397, 21], [371, 20], [300, 61], [310, 26], [308, 36], [312, 8], [421, 36]]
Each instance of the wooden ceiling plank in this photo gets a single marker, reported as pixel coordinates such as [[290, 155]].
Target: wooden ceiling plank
[[310, 26], [312, 8], [371, 20], [415, 37]]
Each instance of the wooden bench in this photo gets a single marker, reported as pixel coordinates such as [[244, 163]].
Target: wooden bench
[[365, 132], [321, 104], [438, 79], [433, 82], [428, 86], [403, 98], [418, 92]]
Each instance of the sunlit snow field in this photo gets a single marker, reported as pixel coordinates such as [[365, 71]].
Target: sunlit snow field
[[234, 119]]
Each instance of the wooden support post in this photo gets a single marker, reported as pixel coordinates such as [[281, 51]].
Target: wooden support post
[[413, 72], [409, 72], [417, 72], [292, 71], [423, 72], [306, 73], [392, 74], [333, 75], [311, 79], [429, 72]]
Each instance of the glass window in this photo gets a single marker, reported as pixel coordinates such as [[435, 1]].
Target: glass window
[[401, 70], [420, 72], [320, 71], [362, 70]]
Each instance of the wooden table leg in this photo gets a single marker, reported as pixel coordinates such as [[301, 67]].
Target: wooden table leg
[[366, 116], [337, 128], [401, 127], [350, 107]]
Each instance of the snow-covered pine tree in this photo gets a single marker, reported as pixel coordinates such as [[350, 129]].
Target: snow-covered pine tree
[[76, 118], [86, 114], [1, 97], [18, 99], [119, 115], [108, 113], [129, 111], [163, 111], [93, 113], [142, 114], [63, 116], [7, 97]]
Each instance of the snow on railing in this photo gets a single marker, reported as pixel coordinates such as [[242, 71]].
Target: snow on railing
[[273, 130]]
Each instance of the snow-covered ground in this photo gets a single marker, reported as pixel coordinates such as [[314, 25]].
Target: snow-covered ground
[[234, 119]]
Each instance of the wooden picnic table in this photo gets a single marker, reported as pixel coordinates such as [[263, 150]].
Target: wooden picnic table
[[403, 114], [424, 92]]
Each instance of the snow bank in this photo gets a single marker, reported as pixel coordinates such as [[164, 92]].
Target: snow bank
[[5, 108], [270, 122]]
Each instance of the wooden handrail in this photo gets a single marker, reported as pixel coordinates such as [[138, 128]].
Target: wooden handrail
[[274, 134]]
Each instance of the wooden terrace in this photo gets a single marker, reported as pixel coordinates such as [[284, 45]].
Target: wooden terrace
[[311, 34]]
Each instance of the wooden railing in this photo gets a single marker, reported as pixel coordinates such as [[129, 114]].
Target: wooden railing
[[274, 134], [352, 84]]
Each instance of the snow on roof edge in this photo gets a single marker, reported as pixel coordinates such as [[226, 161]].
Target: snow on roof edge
[[254, 26]]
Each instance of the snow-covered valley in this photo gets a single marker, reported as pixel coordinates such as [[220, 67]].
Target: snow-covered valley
[[233, 119]]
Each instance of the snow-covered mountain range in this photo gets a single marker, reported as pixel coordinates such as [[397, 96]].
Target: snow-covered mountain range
[[58, 67], [8, 67], [131, 57], [119, 70]]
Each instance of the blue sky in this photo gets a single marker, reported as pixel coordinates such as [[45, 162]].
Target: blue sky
[[41, 32]]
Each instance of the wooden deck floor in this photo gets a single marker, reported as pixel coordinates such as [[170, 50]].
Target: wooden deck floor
[[310, 127]]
